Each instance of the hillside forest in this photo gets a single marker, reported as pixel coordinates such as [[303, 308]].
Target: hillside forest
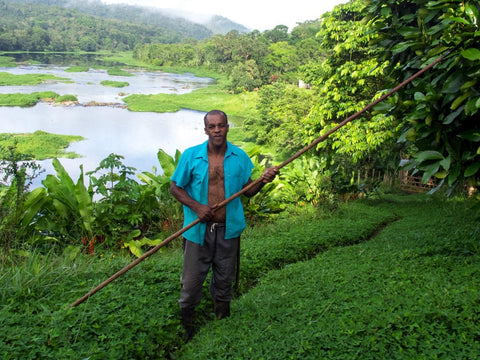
[[345, 60]]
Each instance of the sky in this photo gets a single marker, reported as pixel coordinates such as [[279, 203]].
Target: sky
[[254, 14]]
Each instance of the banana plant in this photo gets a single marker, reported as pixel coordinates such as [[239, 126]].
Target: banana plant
[[71, 211], [161, 182], [169, 208]]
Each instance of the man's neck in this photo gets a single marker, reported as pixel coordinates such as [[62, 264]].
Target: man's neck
[[217, 150]]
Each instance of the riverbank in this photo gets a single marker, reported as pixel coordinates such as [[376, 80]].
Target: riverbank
[[177, 92]]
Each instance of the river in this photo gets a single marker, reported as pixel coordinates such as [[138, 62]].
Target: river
[[107, 129]]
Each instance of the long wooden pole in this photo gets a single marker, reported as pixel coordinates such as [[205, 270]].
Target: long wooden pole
[[253, 183]]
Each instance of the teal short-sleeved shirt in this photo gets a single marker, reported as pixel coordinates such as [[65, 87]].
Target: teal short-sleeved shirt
[[191, 175]]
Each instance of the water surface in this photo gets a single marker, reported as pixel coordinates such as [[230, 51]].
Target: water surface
[[107, 129]]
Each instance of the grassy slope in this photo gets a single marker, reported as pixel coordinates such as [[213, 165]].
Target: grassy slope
[[410, 293], [413, 289]]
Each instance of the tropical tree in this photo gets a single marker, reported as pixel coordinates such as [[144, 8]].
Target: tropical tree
[[350, 78], [439, 111]]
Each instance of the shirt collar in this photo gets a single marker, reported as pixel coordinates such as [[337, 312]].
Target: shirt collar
[[231, 150]]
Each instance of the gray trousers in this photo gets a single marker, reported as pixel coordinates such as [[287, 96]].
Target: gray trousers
[[216, 252]]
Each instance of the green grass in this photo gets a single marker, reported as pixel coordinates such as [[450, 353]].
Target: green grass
[[7, 79], [29, 100], [7, 61], [40, 144], [77, 69], [410, 293], [313, 286], [116, 71], [117, 84], [204, 99], [66, 98]]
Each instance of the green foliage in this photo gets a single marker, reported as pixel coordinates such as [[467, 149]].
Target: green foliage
[[349, 79], [169, 209], [7, 79], [40, 143], [249, 60], [117, 211], [204, 99], [77, 68], [269, 201], [308, 181], [117, 84], [69, 26], [410, 292], [18, 99], [118, 72], [439, 111], [17, 206], [278, 122], [7, 61], [66, 98], [68, 213]]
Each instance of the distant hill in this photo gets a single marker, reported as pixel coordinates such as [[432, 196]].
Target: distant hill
[[63, 25]]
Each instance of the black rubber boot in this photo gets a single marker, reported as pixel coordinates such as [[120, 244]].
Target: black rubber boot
[[222, 309], [187, 323]]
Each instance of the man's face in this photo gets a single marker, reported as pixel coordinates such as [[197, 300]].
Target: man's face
[[216, 128]]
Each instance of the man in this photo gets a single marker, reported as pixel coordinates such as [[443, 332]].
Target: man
[[206, 175]]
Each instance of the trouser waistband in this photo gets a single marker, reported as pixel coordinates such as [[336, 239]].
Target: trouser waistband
[[214, 225]]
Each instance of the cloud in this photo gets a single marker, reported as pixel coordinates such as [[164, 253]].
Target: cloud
[[254, 14]]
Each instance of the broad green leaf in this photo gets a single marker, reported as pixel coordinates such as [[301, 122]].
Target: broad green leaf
[[419, 96], [453, 174], [33, 203], [471, 107], [453, 84], [452, 116], [445, 163], [85, 204], [409, 31], [166, 162], [468, 84], [441, 174], [459, 100], [471, 135], [429, 155], [430, 170], [472, 169], [401, 47]]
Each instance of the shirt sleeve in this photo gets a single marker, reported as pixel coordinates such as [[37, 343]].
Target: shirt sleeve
[[181, 175]]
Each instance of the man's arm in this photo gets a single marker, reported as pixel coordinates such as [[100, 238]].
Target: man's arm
[[267, 176], [204, 212]]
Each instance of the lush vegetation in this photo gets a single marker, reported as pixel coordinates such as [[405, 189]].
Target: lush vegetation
[[28, 100], [409, 291], [117, 84], [61, 25], [7, 79], [431, 122], [44, 145]]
